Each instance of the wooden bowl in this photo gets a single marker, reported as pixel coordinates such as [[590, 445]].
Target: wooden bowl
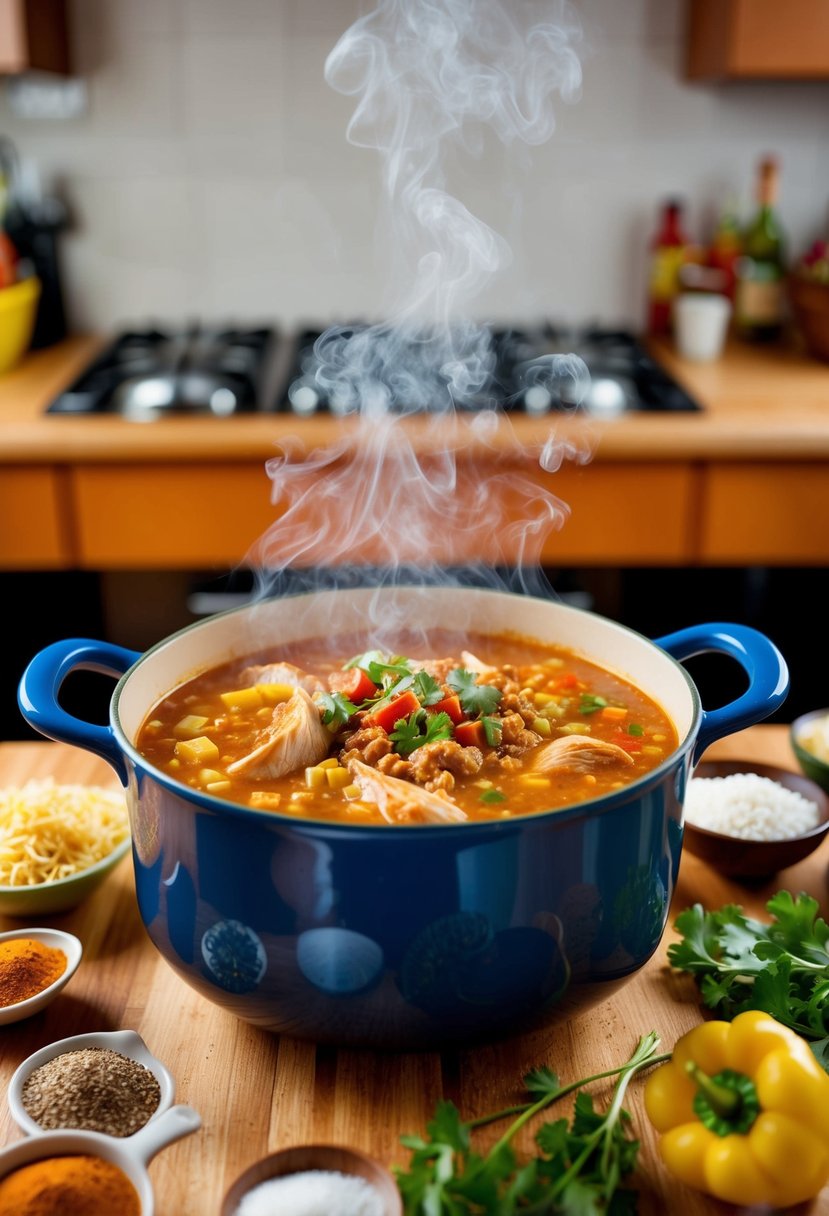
[[316, 1157], [739, 858]]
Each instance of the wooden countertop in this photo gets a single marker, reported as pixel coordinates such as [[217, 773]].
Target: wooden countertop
[[759, 404], [256, 1092]]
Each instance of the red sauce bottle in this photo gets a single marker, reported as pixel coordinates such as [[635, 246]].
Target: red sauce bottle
[[668, 251]]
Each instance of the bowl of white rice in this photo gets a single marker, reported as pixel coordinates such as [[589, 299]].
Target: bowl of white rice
[[750, 820], [809, 735]]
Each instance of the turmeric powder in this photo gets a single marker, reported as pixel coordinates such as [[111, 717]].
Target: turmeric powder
[[26, 968], [68, 1186]]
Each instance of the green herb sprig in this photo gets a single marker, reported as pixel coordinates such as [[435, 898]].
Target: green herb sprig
[[475, 698], [419, 728], [780, 967], [579, 1170]]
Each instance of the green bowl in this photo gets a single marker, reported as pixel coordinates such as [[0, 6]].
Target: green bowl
[[817, 770], [46, 898]]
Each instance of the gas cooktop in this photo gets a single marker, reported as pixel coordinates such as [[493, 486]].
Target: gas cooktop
[[221, 372]]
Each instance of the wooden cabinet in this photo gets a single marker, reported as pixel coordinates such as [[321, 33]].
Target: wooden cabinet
[[758, 40], [33, 36], [765, 514], [34, 528]]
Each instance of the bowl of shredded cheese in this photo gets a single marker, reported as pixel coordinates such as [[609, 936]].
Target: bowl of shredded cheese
[[750, 820], [809, 735], [57, 844]]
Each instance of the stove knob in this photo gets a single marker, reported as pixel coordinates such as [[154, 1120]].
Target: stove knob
[[537, 399], [303, 397]]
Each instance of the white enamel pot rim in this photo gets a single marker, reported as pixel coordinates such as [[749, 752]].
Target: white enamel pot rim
[[373, 615]]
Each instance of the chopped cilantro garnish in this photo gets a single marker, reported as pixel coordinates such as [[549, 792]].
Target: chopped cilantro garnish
[[492, 730], [426, 688], [336, 708], [493, 796], [474, 697], [636, 729], [589, 703], [379, 667], [419, 728]]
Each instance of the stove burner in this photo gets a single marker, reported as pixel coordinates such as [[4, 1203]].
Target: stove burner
[[148, 374], [623, 377]]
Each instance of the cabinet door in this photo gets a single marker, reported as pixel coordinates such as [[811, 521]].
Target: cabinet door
[[758, 39], [33, 35]]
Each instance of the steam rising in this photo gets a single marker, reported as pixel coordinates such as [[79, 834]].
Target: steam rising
[[395, 500]]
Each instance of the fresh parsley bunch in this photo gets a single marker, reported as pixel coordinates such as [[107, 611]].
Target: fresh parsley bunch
[[580, 1165], [780, 967]]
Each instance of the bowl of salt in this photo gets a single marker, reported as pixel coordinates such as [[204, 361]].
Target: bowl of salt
[[314, 1178]]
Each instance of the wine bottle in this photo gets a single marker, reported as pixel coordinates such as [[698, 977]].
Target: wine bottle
[[759, 293]]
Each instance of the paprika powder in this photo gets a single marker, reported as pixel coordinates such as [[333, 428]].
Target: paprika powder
[[27, 967], [742, 1111], [68, 1186]]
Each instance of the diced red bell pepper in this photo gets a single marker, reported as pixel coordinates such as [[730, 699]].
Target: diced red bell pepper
[[353, 684], [471, 734], [566, 681], [631, 743], [401, 707], [449, 705]]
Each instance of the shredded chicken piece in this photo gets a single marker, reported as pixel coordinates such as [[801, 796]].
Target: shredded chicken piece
[[578, 754], [471, 662], [282, 673], [400, 801], [294, 738]]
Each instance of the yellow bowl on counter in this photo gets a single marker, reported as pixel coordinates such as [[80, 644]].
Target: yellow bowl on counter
[[18, 309]]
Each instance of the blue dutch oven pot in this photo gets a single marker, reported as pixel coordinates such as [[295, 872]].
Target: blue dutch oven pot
[[396, 936]]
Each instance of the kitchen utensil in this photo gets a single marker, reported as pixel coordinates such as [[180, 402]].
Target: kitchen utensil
[[131, 1155], [482, 928], [56, 939], [741, 858], [125, 1042]]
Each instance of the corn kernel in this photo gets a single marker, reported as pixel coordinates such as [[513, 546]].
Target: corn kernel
[[338, 778], [173, 764], [483, 784], [651, 751], [554, 662], [273, 694], [301, 796], [217, 787], [351, 792], [315, 778], [265, 800], [658, 738], [359, 808], [589, 779], [154, 725], [542, 698], [265, 714], [196, 751], [576, 728], [331, 762], [189, 726], [535, 783], [211, 774], [541, 726], [242, 698]]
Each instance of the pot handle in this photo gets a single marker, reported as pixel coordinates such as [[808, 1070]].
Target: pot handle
[[768, 675], [37, 694]]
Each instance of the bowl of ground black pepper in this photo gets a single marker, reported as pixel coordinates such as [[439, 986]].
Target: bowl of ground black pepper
[[35, 964], [109, 1083], [71, 1173]]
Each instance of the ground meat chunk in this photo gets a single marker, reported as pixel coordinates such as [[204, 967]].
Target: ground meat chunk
[[515, 738], [395, 766], [436, 765], [368, 744], [438, 669], [516, 703]]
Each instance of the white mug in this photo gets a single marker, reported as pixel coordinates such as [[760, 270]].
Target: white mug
[[700, 325]]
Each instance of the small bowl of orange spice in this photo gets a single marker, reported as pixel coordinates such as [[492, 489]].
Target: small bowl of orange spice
[[60, 1172], [35, 964]]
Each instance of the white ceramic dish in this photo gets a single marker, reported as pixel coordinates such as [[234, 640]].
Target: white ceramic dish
[[57, 940], [126, 1042], [132, 1155]]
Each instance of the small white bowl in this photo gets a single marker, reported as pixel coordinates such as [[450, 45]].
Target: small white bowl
[[132, 1155], [126, 1042], [57, 940]]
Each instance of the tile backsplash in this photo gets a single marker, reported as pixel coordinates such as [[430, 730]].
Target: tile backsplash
[[211, 176]]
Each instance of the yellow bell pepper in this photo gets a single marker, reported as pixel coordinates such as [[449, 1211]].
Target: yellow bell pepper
[[743, 1112]]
